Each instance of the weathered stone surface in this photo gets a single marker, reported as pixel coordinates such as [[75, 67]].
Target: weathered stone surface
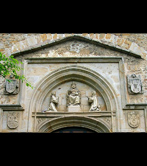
[[74, 109], [109, 72]]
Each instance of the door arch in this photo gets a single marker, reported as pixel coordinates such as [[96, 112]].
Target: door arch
[[72, 73], [74, 130], [95, 125]]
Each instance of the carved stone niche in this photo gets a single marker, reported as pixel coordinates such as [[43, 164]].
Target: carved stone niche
[[134, 84]]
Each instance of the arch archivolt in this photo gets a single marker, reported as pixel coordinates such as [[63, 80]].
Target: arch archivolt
[[80, 74], [97, 125]]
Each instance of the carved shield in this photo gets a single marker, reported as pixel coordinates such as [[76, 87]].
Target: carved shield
[[136, 85], [11, 86], [13, 120], [133, 119]]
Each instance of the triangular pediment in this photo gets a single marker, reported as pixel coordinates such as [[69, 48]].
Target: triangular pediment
[[104, 46]]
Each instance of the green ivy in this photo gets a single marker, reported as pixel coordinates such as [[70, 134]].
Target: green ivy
[[10, 66]]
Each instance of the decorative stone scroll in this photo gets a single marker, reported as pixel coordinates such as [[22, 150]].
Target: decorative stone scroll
[[134, 84], [12, 120]]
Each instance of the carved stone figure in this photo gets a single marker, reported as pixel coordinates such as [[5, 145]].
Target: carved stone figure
[[73, 96], [12, 120], [133, 119], [134, 84], [53, 101], [94, 102]]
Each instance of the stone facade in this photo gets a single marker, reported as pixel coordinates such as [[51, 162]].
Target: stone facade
[[104, 63]]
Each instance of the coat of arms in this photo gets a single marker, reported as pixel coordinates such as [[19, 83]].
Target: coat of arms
[[11, 87], [133, 119], [12, 120], [134, 84]]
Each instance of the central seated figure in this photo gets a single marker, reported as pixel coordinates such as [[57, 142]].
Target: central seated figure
[[73, 99]]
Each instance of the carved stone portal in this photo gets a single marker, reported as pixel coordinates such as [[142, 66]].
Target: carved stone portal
[[134, 84], [133, 119], [12, 121]]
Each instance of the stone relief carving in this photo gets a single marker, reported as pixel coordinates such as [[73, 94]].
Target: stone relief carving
[[73, 95], [53, 102], [6, 99], [12, 120], [134, 84], [133, 119], [11, 87], [73, 98], [76, 47], [94, 102]]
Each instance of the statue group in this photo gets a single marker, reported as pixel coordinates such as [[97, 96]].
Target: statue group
[[73, 100]]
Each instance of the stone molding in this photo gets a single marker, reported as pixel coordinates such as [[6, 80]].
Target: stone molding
[[95, 124], [106, 40], [11, 107], [68, 73]]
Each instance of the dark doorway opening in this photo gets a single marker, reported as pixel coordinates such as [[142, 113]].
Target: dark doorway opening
[[74, 130]]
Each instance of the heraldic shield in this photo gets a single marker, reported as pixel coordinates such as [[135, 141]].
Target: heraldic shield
[[12, 120], [11, 87], [133, 119], [134, 84]]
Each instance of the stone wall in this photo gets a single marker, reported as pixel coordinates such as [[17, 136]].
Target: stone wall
[[7, 40], [103, 59]]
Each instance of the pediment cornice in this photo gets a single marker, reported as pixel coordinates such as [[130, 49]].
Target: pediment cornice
[[110, 41]]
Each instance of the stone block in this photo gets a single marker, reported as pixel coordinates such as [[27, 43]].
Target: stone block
[[75, 108], [108, 36], [43, 37], [101, 36]]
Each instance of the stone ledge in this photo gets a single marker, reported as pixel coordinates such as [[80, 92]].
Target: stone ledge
[[79, 114], [11, 107], [102, 59], [140, 106]]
